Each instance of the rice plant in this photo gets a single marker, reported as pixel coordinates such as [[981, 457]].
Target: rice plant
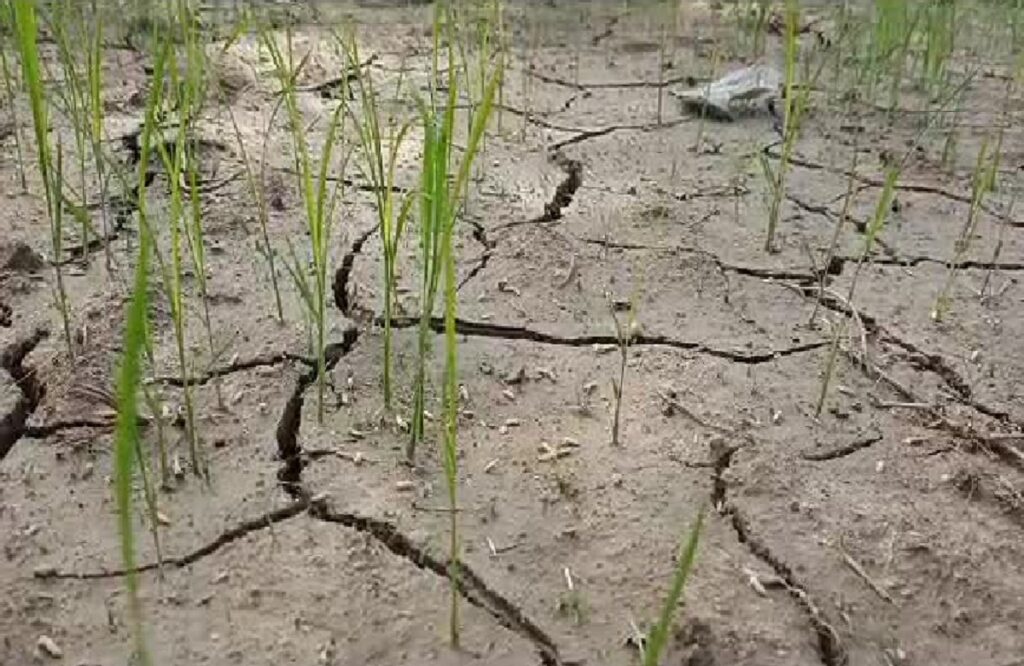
[[75, 99], [10, 86], [440, 201], [659, 634], [174, 159], [314, 185], [379, 150], [126, 442], [258, 190], [94, 78], [795, 103], [983, 181], [25, 28], [195, 88], [440, 198]]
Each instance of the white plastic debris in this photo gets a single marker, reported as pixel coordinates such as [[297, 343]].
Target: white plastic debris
[[742, 87]]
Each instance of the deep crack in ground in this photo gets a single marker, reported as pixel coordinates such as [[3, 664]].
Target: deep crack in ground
[[12, 360], [289, 450]]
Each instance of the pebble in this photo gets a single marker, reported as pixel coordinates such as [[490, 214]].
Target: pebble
[[49, 647]]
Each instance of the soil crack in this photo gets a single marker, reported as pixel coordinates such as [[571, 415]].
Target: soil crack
[[509, 332], [240, 365], [842, 451], [480, 236], [230, 536], [830, 650], [470, 584], [288, 448], [12, 360], [344, 273]]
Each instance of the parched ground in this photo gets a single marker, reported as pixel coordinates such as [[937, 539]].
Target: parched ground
[[886, 531]]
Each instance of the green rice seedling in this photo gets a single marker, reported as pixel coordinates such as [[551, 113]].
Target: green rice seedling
[[940, 17], [25, 28], [75, 99], [844, 216], [982, 182], [659, 634], [319, 202], [498, 21], [752, 19], [794, 105], [174, 161], [997, 252], [10, 86], [440, 201], [126, 442], [877, 223], [875, 226], [194, 86], [94, 79], [258, 189], [380, 149]]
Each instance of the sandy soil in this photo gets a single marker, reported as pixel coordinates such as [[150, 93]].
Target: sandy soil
[[887, 531]]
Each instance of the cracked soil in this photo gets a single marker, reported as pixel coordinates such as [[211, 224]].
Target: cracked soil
[[889, 530]]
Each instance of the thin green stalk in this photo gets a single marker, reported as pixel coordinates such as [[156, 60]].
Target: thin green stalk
[[440, 201], [94, 72], [126, 440], [982, 182], [9, 87], [26, 34], [258, 189], [378, 166], [75, 101], [174, 166], [658, 638], [793, 105], [313, 186]]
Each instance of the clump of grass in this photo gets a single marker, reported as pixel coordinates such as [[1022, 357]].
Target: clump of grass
[[25, 27], [314, 186], [658, 638], [380, 151]]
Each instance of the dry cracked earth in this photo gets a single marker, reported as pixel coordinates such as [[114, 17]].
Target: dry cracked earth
[[886, 531]]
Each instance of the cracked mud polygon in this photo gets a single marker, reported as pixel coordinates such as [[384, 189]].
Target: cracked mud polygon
[[888, 530]]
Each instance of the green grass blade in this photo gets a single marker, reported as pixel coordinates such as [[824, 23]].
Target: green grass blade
[[687, 554], [127, 435]]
